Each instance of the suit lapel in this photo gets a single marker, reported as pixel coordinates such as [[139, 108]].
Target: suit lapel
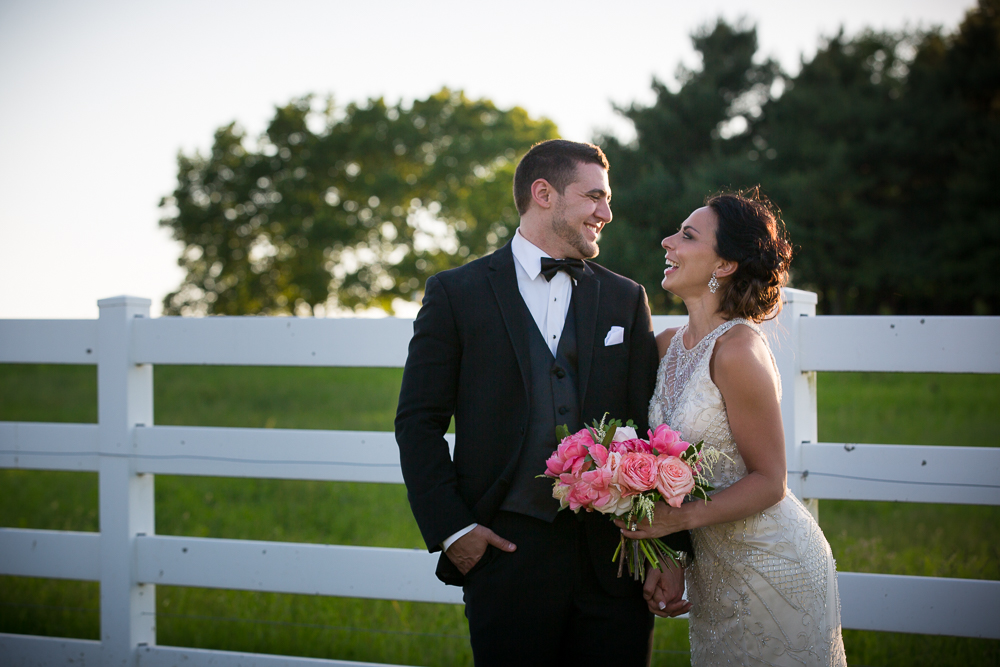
[[586, 299], [503, 279]]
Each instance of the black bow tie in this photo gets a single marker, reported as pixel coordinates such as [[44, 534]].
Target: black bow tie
[[550, 267]]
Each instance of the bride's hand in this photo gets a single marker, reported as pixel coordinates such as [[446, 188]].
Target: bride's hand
[[666, 520]]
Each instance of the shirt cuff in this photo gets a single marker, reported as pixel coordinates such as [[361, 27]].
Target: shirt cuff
[[454, 538]]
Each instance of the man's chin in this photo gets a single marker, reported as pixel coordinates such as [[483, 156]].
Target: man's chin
[[586, 249]]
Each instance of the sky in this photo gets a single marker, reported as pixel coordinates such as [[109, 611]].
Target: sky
[[97, 97]]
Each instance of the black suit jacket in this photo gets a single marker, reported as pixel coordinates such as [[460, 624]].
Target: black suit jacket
[[469, 358]]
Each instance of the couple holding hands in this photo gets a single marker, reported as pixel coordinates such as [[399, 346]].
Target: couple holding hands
[[533, 336]]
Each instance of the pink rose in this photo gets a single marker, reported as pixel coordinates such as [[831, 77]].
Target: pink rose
[[599, 478], [565, 491], [582, 495], [612, 464], [570, 455], [555, 465], [615, 503], [568, 479], [673, 480], [599, 481], [667, 442], [637, 473], [599, 453], [632, 445]]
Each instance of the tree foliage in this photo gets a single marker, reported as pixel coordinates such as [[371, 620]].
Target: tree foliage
[[349, 207], [688, 143], [882, 153], [886, 149]]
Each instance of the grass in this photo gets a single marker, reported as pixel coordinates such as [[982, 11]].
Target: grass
[[897, 538], [911, 409]]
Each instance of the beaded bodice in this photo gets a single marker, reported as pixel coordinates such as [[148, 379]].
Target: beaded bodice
[[688, 401], [764, 587]]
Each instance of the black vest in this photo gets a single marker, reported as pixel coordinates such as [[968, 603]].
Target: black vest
[[553, 401]]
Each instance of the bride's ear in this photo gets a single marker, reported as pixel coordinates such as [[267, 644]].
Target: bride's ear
[[726, 269]]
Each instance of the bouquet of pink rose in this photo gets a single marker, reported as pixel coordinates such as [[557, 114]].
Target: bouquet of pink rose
[[607, 468]]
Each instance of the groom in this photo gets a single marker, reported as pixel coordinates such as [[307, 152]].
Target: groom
[[512, 345]]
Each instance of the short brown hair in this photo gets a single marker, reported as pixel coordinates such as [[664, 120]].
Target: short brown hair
[[751, 233], [556, 161]]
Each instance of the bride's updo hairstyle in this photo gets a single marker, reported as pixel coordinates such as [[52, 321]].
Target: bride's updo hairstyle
[[750, 232]]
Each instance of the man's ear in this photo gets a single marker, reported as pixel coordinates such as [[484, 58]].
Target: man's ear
[[727, 268], [542, 193]]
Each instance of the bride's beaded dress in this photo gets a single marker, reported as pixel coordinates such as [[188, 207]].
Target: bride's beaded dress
[[763, 589]]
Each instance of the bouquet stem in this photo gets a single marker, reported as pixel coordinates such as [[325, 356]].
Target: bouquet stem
[[636, 553], [621, 563]]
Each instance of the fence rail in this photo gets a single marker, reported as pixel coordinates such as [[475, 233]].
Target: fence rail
[[127, 450], [906, 473], [900, 344]]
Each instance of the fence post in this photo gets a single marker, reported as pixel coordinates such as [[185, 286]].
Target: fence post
[[798, 389], [124, 401]]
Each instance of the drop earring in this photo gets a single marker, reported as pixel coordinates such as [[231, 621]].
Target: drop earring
[[713, 284]]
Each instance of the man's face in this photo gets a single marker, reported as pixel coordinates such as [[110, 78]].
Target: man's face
[[581, 211]]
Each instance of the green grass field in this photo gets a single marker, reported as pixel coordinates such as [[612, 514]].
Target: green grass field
[[896, 538]]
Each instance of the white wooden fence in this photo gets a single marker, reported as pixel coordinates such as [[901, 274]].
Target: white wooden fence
[[127, 451]]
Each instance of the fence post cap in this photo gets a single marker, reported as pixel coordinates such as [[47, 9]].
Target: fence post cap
[[124, 301], [792, 295]]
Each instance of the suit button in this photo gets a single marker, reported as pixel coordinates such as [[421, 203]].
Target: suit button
[[559, 373], [563, 410]]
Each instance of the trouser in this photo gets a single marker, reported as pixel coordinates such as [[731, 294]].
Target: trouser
[[543, 604]]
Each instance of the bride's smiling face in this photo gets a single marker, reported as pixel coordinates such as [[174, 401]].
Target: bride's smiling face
[[691, 256]]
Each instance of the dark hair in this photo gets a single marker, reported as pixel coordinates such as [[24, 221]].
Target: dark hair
[[556, 161], [750, 232]]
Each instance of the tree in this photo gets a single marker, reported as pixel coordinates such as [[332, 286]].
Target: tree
[[968, 76], [351, 207], [688, 144], [887, 145], [882, 153], [842, 139]]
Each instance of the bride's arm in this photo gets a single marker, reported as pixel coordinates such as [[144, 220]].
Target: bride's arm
[[743, 371]]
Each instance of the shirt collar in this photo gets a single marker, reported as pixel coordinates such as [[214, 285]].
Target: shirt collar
[[527, 254]]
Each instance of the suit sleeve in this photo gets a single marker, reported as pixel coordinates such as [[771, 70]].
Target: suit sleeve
[[644, 360], [426, 404]]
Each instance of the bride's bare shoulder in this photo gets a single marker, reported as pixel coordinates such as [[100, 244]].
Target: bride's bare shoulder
[[741, 359], [663, 340]]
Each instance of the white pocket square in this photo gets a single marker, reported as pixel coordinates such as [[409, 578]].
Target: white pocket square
[[616, 336]]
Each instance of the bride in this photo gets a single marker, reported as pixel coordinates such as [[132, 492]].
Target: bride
[[763, 585]]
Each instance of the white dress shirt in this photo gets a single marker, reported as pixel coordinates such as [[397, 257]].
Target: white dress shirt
[[547, 300]]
